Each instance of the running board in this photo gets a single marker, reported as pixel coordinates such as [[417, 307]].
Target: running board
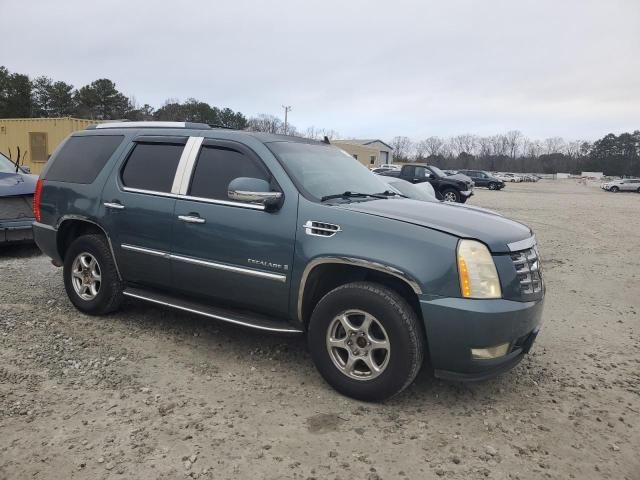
[[245, 319]]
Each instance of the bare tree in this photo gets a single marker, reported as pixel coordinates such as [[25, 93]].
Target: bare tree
[[514, 140], [465, 143], [554, 145], [433, 146], [266, 123], [401, 148], [420, 151]]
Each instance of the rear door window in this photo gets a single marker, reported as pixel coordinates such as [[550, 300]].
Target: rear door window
[[152, 166], [81, 158], [216, 167]]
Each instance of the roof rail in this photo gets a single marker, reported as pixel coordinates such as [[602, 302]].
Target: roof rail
[[150, 124]]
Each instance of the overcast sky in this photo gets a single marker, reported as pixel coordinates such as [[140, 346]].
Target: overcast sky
[[566, 68]]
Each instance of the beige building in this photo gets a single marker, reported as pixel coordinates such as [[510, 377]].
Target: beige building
[[36, 138], [368, 156]]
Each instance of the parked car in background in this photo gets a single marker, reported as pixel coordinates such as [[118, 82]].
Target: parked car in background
[[483, 179], [623, 185], [16, 200], [417, 191], [453, 188], [424, 192], [509, 177], [385, 167], [289, 235]]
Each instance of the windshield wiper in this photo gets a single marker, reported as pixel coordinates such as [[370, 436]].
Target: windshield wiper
[[352, 195], [391, 193]]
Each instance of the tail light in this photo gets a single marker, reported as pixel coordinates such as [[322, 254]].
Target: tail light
[[36, 200]]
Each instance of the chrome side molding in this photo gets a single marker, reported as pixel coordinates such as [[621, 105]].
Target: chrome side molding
[[278, 277]]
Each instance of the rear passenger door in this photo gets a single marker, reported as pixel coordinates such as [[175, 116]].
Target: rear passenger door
[[137, 206], [228, 251]]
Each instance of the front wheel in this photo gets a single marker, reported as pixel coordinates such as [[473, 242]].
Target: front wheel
[[614, 189], [90, 276], [366, 341], [451, 195], [493, 186]]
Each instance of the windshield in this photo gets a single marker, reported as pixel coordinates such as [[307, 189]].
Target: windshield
[[438, 172], [412, 191], [322, 170], [6, 165]]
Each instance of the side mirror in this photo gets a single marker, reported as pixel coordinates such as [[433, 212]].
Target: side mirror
[[253, 190]]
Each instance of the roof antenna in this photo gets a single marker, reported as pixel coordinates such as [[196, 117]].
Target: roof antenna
[[326, 140]]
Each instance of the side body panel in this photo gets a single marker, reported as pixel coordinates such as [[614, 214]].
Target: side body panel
[[425, 257]]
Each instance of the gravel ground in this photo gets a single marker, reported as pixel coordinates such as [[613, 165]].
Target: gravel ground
[[150, 393]]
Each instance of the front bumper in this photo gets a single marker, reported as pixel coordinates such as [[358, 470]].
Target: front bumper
[[16, 231], [466, 193], [456, 325]]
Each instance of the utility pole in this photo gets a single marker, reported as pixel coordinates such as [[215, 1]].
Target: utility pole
[[287, 109]]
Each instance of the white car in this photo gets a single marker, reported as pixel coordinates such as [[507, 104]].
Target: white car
[[510, 177], [624, 185]]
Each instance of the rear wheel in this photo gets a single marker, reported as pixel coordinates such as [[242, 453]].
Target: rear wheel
[[451, 195], [366, 341], [90, 276]]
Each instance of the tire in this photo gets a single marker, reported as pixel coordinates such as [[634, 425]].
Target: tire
[[493, 186], [638, 190], [614, 189], [451, 195], [107, 295], [399, 365]]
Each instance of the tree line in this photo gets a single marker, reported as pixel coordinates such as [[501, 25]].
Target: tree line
[[43, 97], [512, 151], [23, 97]]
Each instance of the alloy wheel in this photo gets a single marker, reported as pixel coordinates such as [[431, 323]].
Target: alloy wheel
[[358, 345], [450, 197], [86, 276]]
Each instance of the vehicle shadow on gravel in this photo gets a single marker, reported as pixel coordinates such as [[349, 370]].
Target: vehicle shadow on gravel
[[290, 353], [19, 251]]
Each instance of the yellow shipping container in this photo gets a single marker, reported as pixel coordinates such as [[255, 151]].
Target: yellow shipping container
[[36, 137]]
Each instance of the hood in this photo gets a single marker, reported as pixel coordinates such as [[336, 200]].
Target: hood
[[461, 177], [455, 219], [17, 184]]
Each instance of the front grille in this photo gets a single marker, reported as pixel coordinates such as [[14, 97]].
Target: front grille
[[15, 208], [527, 264]]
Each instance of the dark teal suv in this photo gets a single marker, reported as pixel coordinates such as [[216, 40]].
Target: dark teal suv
[[291, 236]]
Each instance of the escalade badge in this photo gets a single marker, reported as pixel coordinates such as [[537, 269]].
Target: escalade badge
[[264, 263]]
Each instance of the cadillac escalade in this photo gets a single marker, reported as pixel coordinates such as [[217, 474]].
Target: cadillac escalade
[[290, 236]]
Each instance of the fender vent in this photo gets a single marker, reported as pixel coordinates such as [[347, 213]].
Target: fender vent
[[320, 229]]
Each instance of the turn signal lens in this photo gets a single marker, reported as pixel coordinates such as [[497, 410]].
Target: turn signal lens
[[477, 271]]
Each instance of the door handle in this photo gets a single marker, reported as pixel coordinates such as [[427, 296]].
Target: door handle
[[191, 219], [114, 205]]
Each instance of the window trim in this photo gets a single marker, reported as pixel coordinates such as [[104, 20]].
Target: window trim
[[231, 145], [134, 145], [188, 163]]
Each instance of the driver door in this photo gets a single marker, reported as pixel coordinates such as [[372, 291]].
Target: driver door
[[230, 251]]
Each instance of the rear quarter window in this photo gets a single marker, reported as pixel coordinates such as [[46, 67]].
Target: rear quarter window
[[81, 159]]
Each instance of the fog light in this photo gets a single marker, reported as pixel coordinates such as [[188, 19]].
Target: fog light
[[490, 352]]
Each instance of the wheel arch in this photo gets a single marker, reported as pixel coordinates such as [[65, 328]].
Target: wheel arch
[[73, 226], [322, 275]]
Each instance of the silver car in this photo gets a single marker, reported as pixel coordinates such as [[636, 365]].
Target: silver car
[[624, 185]]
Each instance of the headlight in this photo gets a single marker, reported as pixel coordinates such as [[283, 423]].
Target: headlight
[[477, 271]]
